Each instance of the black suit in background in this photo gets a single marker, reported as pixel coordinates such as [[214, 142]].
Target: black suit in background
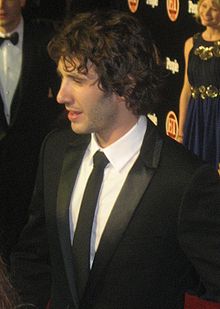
[[33, 114], [161, 238], [46, 9]]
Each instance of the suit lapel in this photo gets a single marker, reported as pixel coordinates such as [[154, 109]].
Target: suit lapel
[[133, 189], [71, 164]]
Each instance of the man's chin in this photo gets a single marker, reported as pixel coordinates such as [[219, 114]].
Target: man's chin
[[79, 130]]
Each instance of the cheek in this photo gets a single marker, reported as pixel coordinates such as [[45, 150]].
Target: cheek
[[201, 12], [96, 110]]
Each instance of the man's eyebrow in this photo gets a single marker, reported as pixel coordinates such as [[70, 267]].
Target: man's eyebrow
[[72, 74]]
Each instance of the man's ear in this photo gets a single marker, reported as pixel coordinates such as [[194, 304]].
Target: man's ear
[[119, 98]]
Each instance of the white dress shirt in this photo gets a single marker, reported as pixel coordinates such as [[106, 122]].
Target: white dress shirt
[[121, 155], [10, 67]]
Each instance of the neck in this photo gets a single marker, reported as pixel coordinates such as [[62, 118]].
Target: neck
[[107, 138], [10, 27], [212, 34]]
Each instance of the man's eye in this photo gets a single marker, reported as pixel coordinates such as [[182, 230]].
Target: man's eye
[[77, 80]]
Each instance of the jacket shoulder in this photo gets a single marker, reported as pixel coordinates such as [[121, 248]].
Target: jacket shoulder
[[58, 140], [160, 151], [59, 137], [177, 160]]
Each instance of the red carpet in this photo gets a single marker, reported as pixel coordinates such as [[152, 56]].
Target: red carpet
[[193, 302]]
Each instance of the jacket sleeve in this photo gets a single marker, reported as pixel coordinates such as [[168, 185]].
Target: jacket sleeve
[[199, 230]]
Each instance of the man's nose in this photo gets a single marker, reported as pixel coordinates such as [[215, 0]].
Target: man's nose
[[59, 97], [62, 94]]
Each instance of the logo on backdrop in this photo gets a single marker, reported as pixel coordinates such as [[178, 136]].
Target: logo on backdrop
[[172, 125], [153, 118], [152, 3], [133, 5], [173, 9], [192, 7], [172, 65]]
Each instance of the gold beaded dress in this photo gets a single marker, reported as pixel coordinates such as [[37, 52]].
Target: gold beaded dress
[[202, 126]]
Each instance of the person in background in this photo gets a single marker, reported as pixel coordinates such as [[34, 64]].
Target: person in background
[[121, 216], [199, 106], [46, 9], [9, 298], [8, 295], [28, 112]]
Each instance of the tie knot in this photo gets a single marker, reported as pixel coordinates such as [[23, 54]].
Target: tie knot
[[13, 38], [99, 159]]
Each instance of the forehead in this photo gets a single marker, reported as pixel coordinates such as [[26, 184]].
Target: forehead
[[211, 2]]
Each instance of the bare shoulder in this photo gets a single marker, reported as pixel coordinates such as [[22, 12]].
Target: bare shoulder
[[189, 43], [188, 46]]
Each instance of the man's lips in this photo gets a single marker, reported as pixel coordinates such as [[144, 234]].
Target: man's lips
[[73, 115]]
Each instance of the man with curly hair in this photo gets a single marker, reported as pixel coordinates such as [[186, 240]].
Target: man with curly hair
[[154, 232]]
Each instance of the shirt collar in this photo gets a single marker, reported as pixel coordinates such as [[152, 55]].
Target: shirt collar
[[120, 152]]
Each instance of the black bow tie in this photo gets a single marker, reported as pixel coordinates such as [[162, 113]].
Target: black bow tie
[[13, 38]]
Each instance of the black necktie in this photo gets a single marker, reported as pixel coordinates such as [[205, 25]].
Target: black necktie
[[82, 235], [13, 38]]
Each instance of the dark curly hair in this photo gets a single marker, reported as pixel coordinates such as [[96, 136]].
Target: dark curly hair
[[125, 58]]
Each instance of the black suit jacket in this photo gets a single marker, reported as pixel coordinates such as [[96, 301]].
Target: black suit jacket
[[33, 111], [162, 237]]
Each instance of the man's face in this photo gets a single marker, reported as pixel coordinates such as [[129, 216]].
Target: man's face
[[10, 14], [89, 108]]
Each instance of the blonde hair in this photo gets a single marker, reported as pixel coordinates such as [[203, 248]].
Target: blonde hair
[[197, 17]]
